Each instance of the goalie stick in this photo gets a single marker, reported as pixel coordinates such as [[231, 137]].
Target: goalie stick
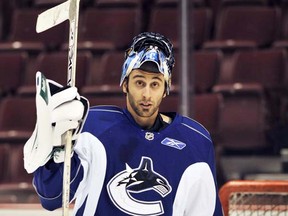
[[68, 10]]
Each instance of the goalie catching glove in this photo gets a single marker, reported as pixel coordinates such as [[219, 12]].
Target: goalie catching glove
[[59, 109]]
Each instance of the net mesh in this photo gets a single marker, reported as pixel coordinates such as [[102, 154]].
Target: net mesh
[[258, 204], [255, 198]]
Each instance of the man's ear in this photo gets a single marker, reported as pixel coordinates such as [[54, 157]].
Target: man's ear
[[124, 86], [164, 95]]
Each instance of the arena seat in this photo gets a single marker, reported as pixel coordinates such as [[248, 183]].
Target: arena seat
[[282, 41], [206, 69], [117, 3], [282, 44], [12, 67], [170, 103], [2, 20], [242, 120], [6, 9], [106, 78], [174, 3], [225, 3], [17, 119], [45, 3], [114, 100], [265, 67], [23, 35], [17, 173], [160, 21], [107, 28], [245, 26], [206, 109], [54, 66], [4, 162]]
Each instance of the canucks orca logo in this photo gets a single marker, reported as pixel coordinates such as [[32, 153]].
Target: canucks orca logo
[[138, 180]]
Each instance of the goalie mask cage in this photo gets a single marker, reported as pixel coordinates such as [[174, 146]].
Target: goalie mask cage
[[254, 198]]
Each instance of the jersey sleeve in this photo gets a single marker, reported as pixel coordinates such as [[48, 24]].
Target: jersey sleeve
[[211, 161], [48, 182], [196, 194], [88, 168], [198, 185]]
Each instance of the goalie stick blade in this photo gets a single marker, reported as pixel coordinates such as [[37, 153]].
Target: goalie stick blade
[[53, 17]]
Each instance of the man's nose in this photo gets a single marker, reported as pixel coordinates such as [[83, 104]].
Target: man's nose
[[146, 92]]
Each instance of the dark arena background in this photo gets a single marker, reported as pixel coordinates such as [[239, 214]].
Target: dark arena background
[[237, 86]]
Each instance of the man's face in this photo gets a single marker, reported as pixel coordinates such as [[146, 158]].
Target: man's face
[[145, 91]]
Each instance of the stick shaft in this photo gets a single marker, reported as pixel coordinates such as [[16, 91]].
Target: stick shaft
[[73, 36], [66, 174], [46, 20], [71, 80]]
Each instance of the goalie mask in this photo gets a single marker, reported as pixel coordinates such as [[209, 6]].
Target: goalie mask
[[150, 52]]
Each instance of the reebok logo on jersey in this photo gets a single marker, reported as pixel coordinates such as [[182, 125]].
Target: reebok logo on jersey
[[173, 143], [136, 181]]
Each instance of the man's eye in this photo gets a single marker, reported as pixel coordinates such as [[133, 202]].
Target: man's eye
[[155, 84], [139, 83]]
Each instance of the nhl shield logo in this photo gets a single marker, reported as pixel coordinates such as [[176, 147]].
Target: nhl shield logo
[[149, 136]]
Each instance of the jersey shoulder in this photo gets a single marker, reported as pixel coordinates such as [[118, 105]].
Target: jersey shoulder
[[106, 109], [102, 117], [195, 126], [105, 113]]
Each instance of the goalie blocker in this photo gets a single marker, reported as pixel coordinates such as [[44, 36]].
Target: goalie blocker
[[59, 109]]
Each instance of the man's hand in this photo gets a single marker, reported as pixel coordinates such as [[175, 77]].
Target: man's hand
[[59, 109]]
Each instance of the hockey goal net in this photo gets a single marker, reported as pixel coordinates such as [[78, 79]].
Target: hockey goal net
[[255, 198]]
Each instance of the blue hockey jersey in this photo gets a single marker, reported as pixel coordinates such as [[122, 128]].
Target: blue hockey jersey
[[120, 169]]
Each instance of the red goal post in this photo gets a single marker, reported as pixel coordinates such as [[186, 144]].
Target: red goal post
[[254, 197]]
